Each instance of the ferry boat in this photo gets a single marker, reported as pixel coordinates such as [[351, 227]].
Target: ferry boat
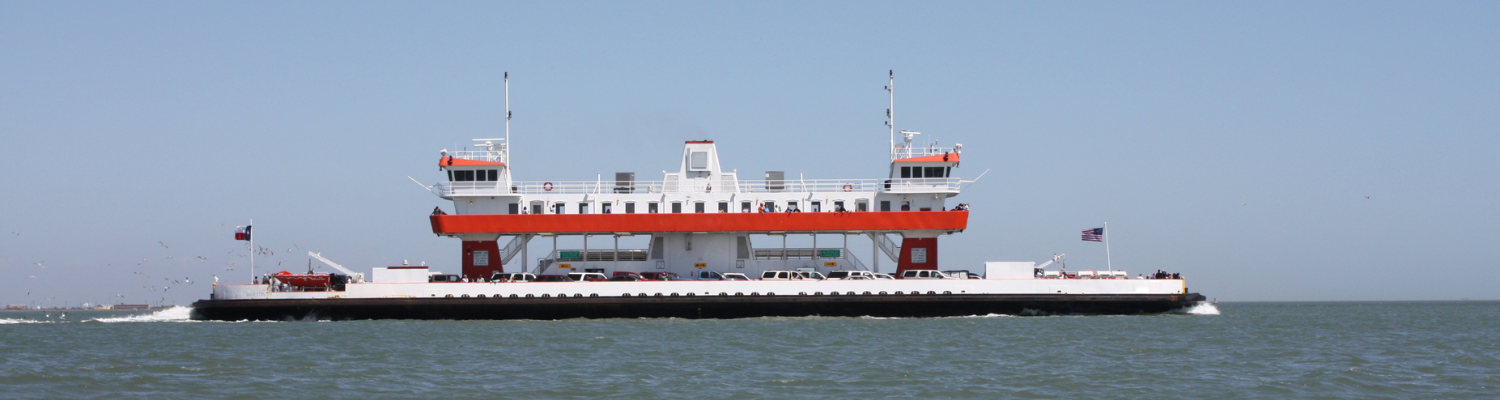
[[700, 221]]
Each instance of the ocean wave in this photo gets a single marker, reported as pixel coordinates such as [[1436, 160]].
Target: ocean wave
[[170, 314], [8, 321], [991, 315], [1202, 308]]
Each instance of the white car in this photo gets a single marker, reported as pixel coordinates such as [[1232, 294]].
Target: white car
[[851, 275], [513, 277], [924, 274], [735, 276], [776, 275], [811, 275], [587, 277], [879, 276]]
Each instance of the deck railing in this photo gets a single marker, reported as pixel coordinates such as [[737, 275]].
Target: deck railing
[[897, 185]]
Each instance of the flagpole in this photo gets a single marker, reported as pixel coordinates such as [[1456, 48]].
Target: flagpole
[[1107, 261], [250, 231]]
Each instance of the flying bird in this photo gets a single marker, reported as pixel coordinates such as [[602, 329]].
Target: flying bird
[[202, 258], [216, 279], [163, 244], [40, 264], [1367, 197]]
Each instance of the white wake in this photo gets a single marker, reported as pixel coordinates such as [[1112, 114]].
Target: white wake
[[1202, 308], [170, 314], [8, 321]]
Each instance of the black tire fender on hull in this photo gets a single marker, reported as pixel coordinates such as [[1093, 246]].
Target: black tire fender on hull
[[692, 307]]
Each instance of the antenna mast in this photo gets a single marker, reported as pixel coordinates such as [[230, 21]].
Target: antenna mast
[[507, 117], [890, 113]]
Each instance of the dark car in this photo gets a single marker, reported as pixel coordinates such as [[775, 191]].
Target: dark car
[[659, 276], [552, 278], [626, 276], [444, 278]]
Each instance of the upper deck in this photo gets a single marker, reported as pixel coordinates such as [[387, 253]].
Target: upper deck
[[896, 185]]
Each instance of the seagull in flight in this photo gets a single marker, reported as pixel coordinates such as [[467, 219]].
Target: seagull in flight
[[163, 244]]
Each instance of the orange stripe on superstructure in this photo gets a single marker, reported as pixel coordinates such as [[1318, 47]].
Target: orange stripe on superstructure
[[725, 222], [459, 162], [951, 157]]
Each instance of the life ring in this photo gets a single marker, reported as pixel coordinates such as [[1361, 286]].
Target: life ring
[[848, 187], [547, 186]]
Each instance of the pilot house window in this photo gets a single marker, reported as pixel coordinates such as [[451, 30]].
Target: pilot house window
[[488, 175]]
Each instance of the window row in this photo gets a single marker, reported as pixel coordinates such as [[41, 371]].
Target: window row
[[483, 175], [676, 207], [925, 172]]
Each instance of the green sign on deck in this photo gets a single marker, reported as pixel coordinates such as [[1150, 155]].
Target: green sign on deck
[[570, 255], [826, 253]]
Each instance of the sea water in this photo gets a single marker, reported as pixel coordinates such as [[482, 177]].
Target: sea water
[[1231, 350]]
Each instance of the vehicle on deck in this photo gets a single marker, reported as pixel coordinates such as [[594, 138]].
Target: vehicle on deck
[[851, 275], [587, 277], [436, 278], [962, 274], [735, 276], [552, 278], [776, 275], [513, 277], [707, 276], [924, 274], [660, 276], [811, 275]]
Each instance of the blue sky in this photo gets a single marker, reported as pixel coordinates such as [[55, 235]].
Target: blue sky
[[1234, 142]]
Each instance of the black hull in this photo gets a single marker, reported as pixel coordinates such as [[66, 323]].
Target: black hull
[[692, 307]]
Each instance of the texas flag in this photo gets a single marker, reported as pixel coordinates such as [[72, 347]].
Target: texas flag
[[242, 232]]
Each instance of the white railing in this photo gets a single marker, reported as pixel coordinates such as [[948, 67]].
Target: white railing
[[922, 151], [885, 244], [500, 155], [898, 185]]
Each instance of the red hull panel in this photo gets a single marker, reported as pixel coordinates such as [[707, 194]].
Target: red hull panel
[[730, 222]]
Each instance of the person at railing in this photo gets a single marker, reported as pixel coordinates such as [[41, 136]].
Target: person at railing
[[762, 208]]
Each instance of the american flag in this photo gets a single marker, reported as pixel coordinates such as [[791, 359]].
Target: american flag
[[1093, 235]]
